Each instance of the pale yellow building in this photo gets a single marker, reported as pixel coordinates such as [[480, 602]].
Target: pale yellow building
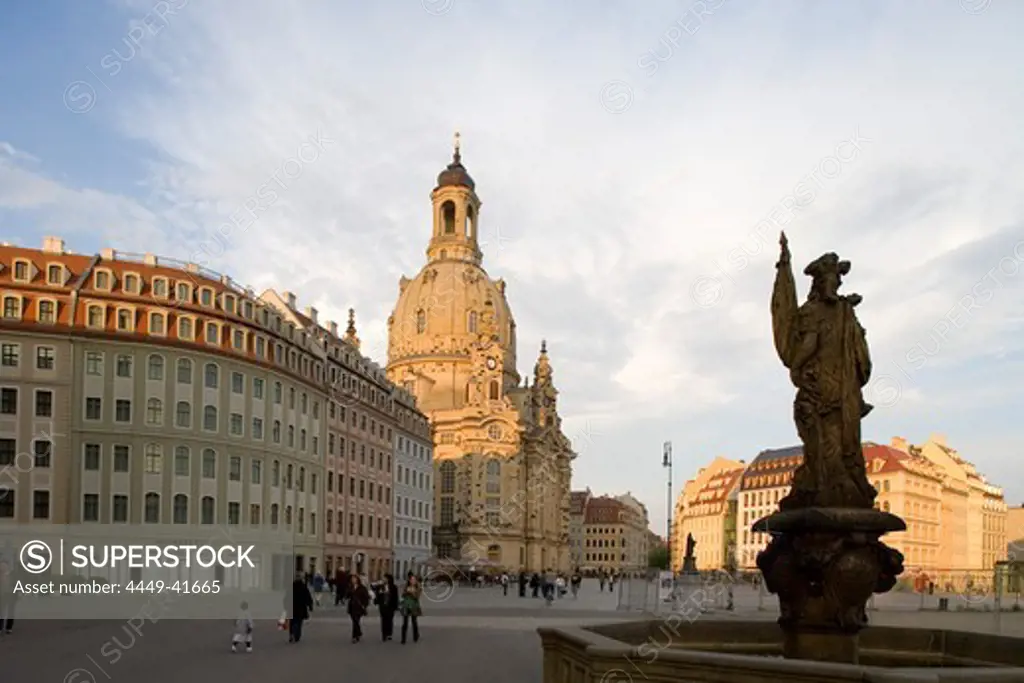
[[973, 510], [615, 535], [694, 517], [577, 516], [956, 521], [502, 464], [636, 523], [1015, 532]]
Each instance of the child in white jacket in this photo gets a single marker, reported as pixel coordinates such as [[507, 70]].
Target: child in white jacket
[[243, 629]]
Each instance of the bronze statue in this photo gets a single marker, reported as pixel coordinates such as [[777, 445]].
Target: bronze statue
[[689, 561], [825, 558], [826, 351]]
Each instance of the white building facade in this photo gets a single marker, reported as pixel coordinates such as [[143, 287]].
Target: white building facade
[[413, 486]]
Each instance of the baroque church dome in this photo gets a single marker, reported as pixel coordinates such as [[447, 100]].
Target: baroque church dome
[[445, 308], [452, 300]]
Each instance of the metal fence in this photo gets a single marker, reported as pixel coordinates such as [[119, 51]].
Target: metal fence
[[997, 590]]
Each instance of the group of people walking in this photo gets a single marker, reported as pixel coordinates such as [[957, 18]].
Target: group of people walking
[[357, 598]]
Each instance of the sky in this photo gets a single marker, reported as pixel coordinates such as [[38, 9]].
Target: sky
[[636, 162]]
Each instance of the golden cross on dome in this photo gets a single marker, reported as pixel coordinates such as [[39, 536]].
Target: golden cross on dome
[[458, 143]]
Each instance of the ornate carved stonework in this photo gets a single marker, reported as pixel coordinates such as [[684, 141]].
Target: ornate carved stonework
[[825, 559]]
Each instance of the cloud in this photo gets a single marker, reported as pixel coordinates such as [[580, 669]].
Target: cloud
[[606, 221]]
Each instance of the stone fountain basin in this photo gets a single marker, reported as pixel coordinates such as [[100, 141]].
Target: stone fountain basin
[[706, 651]]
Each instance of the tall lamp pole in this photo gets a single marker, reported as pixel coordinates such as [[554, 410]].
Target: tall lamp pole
[[666, 461]]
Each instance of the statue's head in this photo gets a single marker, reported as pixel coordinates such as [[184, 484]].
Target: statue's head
[[827, 275]]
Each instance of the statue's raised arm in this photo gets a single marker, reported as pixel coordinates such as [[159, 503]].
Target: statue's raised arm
[[784, 304]]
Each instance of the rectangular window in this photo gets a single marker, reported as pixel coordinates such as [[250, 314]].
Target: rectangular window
[[237, 427], [44, 403], [257, 388], [42, 451], [122, 454], [45, 358], [94, 363], [8, 452], [120, 509], [93, 408], [10, 355], [237, 383], [40, 505], [91, 457], [91, 507], [257, 428], [234, 513], [124, 366], [235, 468], [122, 410]]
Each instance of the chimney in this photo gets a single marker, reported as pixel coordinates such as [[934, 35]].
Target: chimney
[[53, 245], [311, 314], [108, 254], [333, 327], [900, 444], [290, 299], [149, 260]]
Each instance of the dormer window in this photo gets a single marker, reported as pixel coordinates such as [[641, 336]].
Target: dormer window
[[238, 339], [229, 303], [131, 284], [47, 311], [125, 320], [55, 274], [186, 330], [206, 296], [102, 280], [22, 270], [94, 316], [212, 333], [12, 307], [183, 293], [247, 309], [159, 285]]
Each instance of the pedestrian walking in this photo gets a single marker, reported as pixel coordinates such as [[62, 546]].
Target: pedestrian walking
[[243, 629], [358, 605], [299, 604], [504, 583], [387, 601], [410, 606]]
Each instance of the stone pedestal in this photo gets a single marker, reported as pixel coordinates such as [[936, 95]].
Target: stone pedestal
[[825, 564]]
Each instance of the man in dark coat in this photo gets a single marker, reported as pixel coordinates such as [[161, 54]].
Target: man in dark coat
[[299, 604], [387, 600]]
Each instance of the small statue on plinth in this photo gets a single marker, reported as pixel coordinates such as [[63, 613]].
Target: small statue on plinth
[[825, 559], [689, 561]]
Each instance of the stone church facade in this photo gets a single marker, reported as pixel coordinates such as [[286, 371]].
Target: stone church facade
[[502, 464]]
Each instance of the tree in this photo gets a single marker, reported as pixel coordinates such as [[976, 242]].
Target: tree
[[658, 557]]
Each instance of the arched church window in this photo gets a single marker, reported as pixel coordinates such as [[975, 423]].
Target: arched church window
[[448, 217], [421, 322], [495, 391], [448, 477], [493, 476], [470, 222], [471, 322]]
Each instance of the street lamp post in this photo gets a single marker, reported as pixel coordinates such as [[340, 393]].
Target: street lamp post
[[666, 462]]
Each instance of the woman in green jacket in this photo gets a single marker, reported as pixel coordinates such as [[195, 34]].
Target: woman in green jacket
[[410, 607]]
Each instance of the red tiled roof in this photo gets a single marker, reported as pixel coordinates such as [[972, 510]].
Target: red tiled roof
[[603, 510]]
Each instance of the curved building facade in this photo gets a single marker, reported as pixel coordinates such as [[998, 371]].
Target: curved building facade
[[138, 390]]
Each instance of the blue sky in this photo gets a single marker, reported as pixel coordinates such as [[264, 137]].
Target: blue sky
[[635, 164]]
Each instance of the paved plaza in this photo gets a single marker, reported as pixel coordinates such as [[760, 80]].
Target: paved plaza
[[468, 635]]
